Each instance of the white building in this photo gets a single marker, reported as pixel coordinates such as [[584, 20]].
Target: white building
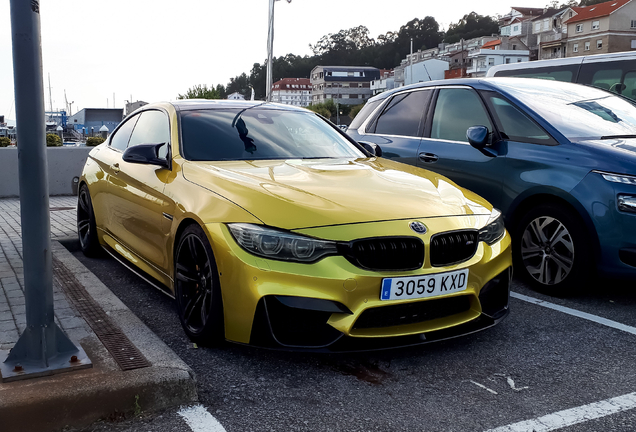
[[501, 51], [292, 91], [236, 96]]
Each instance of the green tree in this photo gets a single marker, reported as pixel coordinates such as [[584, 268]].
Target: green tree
[[355, 110], [93, 141], [4, 141], [471, 26], [241, 84], [200, 92]]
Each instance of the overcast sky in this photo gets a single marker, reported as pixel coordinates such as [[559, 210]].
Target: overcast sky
[[153, 50]]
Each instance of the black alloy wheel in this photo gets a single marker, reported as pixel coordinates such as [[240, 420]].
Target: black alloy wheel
[[197, 287], [86, 227], [552, 248]]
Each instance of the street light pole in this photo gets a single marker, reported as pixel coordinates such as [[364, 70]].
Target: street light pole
[[270, 50], [42, 349]]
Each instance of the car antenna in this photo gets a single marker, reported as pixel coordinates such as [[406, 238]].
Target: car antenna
[[426, 70]]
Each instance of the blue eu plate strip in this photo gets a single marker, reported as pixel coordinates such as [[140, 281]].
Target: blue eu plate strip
[[386, 289]]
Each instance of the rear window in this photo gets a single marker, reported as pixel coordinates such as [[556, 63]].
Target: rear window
[[253, 133], [564, 73]]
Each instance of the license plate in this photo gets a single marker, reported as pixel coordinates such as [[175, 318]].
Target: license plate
[[424, 286]]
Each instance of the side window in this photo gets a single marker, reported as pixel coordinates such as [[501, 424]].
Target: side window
[[515, 124], [152, 128], [617, 77], [403, 114], [120, 139], [456, 110], [565, 73], [363, 114]]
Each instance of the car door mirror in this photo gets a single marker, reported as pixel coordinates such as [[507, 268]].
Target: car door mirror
[[372, 148], [147, 154], [477, 136]]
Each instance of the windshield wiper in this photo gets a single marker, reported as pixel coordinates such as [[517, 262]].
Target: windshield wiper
[[617, 136]]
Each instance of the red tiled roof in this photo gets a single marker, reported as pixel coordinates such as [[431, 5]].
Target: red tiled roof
[[491, 44], [597, 10], [286, 83]]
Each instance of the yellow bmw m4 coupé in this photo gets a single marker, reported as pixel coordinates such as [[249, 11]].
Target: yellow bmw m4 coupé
[[271, 227]]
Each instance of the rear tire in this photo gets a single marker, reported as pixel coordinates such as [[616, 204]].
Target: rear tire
[[86, 226], [197, 288], [553, 250]]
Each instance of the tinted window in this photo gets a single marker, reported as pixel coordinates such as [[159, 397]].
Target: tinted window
[[120, 138], [514, 123], [403, 114], [565, 73], [363, 114], [250, 134], [617, 76], [152, 128], [456, 110]]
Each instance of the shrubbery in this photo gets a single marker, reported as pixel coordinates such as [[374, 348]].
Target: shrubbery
[[355, 110], [53, 140], [93, 141], [330, 106], [4, 141]]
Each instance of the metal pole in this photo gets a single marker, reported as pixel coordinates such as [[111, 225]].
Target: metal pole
[[270, 49], [411, 58], [43, 348]]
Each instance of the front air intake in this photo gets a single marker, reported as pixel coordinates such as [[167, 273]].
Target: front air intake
[[386, 253]]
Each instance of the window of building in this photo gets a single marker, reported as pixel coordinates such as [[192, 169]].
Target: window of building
[[515, 28], [587, 46], [633, 43], [507, 60], [537, 27], [514, 47], [633, 25], [596, 25], [519, 59], [575, 48], [546, 24], [599, 44], [360, 85], [491, 61], [579, 28]]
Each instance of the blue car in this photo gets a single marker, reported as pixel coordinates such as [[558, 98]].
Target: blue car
[[558, 159]]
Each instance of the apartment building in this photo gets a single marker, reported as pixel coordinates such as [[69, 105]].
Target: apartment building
[[518, 23], [500, 51], [350, 85], [292, 91], [602, 28]]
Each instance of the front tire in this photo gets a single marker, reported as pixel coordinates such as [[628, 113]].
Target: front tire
[[197, 287], [552, 249], [86, 226]]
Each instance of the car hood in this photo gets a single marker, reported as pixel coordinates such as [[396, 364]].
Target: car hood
[[294, 194], [614, 155]]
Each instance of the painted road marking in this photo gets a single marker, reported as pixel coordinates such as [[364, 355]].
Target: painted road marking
[[576, 313], [573, 416], [200, 420], [484, 387]]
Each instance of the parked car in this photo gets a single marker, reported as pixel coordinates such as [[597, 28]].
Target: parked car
[[271, 227], [558, 159], [615, 72]]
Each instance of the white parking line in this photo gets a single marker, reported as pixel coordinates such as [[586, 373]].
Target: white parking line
[[576, 313], [200, 420], [573, 416]]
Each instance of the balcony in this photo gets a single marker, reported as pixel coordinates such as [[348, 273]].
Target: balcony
[[552, 39]]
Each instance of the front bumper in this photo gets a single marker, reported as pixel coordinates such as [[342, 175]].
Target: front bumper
[[256, 295]]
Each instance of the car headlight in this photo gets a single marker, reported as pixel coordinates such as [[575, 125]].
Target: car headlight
[[619, 178], [627, 203], [494, 229], [280, 245]]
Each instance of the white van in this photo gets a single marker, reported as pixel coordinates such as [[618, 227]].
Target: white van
[[615, 72]]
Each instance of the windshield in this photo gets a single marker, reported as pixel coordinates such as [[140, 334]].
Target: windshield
[[260, 133], [577, 111]]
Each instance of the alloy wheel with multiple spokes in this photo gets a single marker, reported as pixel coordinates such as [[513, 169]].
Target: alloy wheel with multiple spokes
[[553, 249], [547, 250], [86, 226], [197, 286]]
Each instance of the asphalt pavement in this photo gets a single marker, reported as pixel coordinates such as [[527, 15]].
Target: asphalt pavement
[[554, 364]]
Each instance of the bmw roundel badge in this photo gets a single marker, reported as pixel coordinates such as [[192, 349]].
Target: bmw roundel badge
[[418, 227]]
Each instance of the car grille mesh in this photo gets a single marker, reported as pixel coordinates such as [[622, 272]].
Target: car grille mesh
[[386, 253], [412, 313], [453, 247]]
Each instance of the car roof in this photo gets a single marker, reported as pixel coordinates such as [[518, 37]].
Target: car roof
[[199, 104]]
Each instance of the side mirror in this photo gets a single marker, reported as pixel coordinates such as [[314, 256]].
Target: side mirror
[[372, 148], [477, 136], [147, 154]]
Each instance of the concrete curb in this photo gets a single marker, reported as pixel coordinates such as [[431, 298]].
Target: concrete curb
[[79, 398]]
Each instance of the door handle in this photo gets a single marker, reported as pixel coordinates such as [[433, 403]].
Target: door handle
[[115, 167], [428, 157]]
